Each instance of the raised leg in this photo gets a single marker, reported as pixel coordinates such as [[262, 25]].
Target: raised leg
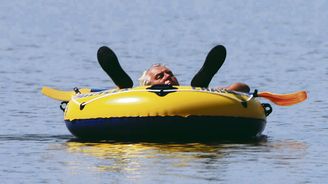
[[212, 64], [110, 64]]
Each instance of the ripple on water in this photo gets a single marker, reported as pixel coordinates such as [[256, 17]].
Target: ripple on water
[[34, 137]]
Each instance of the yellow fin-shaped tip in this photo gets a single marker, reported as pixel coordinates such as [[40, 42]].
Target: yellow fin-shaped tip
[[61, 95]]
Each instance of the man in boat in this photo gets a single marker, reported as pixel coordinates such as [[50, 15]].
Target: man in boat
[[160, 74]]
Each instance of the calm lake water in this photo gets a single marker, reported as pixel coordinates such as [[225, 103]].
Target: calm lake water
[[278, 46]]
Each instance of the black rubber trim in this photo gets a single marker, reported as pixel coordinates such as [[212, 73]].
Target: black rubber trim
[[175, 128]]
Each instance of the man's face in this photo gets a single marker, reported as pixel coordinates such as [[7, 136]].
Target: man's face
[[162, 75]]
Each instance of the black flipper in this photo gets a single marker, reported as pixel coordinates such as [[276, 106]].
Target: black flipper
[[212, 64], [109, 63]]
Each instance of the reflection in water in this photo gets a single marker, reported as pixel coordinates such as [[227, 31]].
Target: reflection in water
[[139, 160], [130, 157], [165, 162]]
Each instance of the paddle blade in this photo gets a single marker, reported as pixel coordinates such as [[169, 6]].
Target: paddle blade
[[284, 99], [61, 95]]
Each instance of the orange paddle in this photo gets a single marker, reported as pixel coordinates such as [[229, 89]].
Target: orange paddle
[[284, 99]]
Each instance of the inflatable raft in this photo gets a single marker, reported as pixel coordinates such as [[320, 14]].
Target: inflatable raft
[[165, 112]]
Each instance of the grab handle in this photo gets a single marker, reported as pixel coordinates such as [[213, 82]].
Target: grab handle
[[267, 108]]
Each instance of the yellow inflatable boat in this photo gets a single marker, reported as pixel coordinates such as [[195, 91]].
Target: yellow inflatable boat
[[164, 111], [161, 112]]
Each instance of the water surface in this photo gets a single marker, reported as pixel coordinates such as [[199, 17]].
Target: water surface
[[276, 46]]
